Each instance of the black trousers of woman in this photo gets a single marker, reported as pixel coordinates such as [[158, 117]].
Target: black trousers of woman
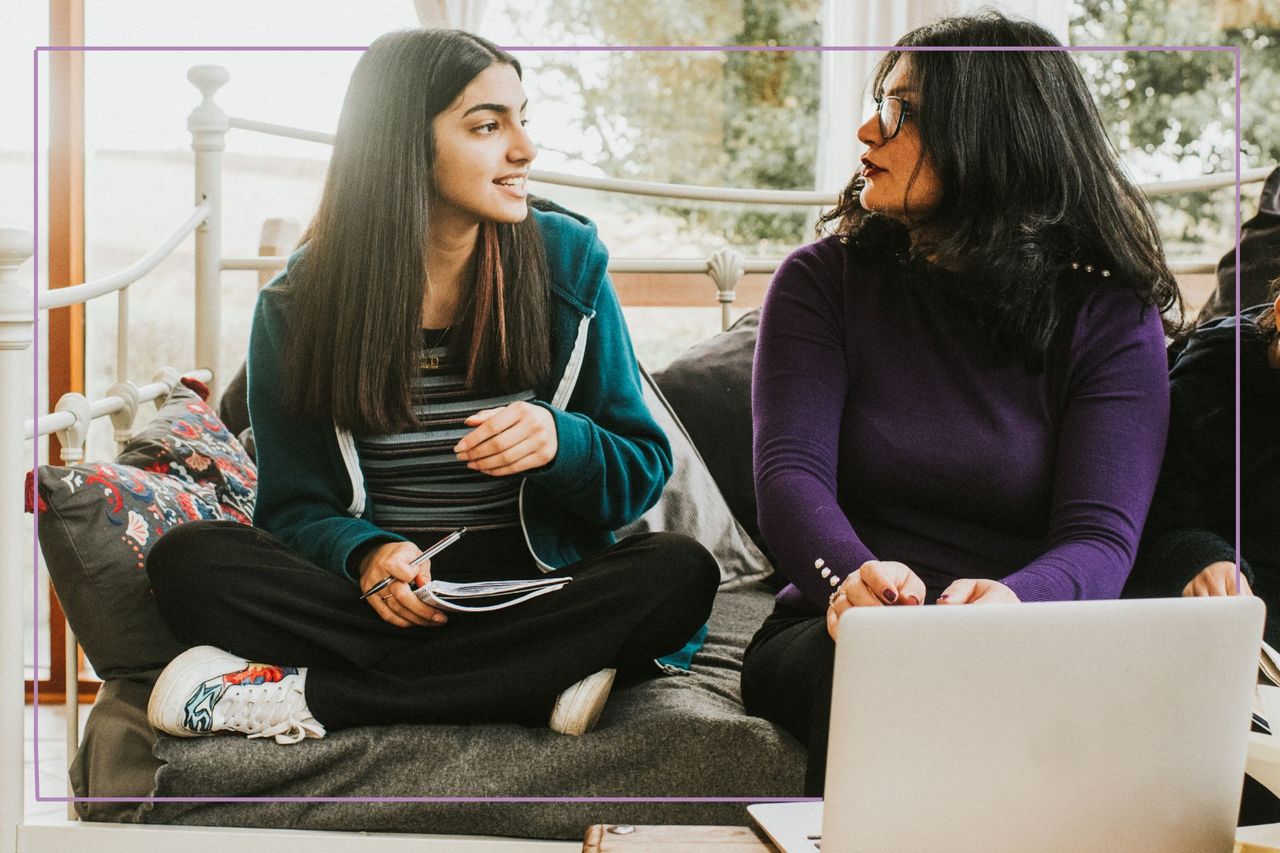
[[242, 590], [786, 678]]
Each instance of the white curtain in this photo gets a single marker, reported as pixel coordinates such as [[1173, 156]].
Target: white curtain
[[453, 14], [846, 100]]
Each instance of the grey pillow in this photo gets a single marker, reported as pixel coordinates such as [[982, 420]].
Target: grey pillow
[[187, 439], [692, 504], [98, 522], [234, 408], [115, 759], [709, 389]]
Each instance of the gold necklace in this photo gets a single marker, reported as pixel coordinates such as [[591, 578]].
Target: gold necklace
[[431, 361]]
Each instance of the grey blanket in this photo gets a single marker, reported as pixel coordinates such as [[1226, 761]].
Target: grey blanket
[[668, 737]]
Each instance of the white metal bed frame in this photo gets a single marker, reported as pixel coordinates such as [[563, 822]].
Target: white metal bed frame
[[73, 413]]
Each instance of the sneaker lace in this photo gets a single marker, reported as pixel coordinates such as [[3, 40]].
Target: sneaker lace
[[271, 710]]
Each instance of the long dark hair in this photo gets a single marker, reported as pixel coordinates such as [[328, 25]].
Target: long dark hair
[[356, 294], [1030, 184]]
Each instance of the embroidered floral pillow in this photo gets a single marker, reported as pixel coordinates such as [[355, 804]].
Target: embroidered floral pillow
[[187, 440], [97, 523]]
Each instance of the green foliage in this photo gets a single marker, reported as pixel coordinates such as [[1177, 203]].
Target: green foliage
[[1174, 112], [749, 119], [742, 119]]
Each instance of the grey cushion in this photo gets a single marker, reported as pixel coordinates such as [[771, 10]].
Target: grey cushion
[[186, 439], [234, 406], [98, 521], [115, 757], [709, 389], [674, 736], [692, 504]]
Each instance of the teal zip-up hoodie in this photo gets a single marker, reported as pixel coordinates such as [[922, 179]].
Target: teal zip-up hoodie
[[611, 464]]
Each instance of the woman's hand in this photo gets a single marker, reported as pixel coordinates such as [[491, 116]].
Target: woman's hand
[[977, 591], [1217, 579], [876, 583], [396, 603], [509, 440]]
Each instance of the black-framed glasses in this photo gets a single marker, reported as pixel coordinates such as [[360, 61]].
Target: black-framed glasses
[[890, 112]]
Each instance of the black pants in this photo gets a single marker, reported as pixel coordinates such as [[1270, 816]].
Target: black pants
[[786, 678], [240, 589]]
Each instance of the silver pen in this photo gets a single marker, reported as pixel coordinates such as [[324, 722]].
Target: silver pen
[[425, 555], [439, 546]]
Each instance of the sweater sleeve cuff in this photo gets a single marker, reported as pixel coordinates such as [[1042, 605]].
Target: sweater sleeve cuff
[[1169, 562], [356, 551], [1031, 586], [570, 467]]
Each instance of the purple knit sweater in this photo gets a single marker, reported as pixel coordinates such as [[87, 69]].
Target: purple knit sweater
[[884, 431]]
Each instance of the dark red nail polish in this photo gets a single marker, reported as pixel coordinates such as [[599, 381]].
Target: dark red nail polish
[[942, 597], [890, 594]]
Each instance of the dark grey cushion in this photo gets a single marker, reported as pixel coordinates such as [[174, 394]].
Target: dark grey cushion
[[674, 736], [691, 504], [709, 388], [98, 521], [115, 757], [234, 407]]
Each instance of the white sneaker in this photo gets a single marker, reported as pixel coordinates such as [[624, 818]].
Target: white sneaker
[[579, 706], [206, 690]]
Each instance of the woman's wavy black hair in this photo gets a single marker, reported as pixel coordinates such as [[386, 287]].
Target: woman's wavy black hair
[[1030, 184], [355, 297]]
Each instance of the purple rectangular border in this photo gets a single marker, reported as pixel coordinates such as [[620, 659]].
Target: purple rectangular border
[[1235, 51]]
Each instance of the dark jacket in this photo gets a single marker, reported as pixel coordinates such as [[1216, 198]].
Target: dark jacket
[[612, 462], [1192, 518]]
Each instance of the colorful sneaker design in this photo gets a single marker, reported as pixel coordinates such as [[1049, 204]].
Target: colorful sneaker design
[[206, 690]]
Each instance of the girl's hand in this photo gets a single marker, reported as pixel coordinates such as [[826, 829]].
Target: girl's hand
[[509, 440], [1217, 579], [396, 602], [876, 583], [977, 591]]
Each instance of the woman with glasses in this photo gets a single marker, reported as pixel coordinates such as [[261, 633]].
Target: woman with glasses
[[960, 394]]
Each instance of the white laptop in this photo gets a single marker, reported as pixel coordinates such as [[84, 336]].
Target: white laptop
[[1075, 726]]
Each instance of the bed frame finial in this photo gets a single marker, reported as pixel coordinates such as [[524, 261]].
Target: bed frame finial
[[73, 437], [122, 419], [726, 267]]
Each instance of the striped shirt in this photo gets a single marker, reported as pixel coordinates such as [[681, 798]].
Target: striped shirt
[[415, 481]]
